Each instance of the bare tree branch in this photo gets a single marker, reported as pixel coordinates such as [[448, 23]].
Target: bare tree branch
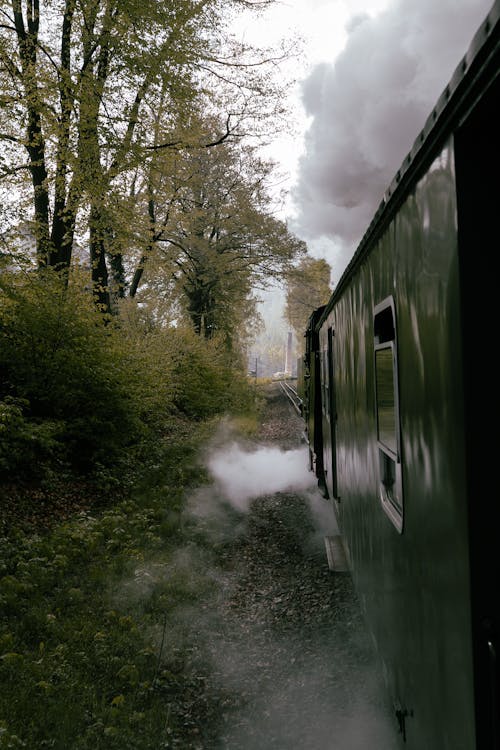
[[14, 170], [180, 144]]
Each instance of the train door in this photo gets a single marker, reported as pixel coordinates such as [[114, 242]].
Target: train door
[[478, 168], [324, 479], [313, 396], [328, 414], [332, 417]]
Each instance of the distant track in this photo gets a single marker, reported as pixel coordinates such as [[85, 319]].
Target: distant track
[[292, 395]]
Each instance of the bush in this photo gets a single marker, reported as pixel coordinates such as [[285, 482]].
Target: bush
[[93, 394], [65, 375], [207, 380], [26, 446]]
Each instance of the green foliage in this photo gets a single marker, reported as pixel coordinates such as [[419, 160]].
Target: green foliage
[[220, 238], [64, 384], [90, 641], [308, 287], [207, 380], [26, 446], [76, 394], [87, 636], [95, 94]]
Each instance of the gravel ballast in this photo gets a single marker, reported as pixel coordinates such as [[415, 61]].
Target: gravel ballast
[[287, 661]]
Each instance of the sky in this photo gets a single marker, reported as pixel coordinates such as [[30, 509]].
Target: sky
[[371, 73]]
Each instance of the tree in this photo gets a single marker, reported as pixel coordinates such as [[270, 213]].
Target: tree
[[308, 287], [80, 82], [215, 232]]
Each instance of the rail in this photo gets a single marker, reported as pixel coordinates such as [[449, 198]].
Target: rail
[[292, 395]]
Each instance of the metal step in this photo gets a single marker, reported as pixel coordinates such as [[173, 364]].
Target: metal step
[[335, 553]]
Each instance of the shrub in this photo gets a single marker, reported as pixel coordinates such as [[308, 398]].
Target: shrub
[[95, 394], [26, 446], [207, 381], [66, 368]]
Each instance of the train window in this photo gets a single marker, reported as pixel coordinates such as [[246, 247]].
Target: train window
[[386, 406], [387, 411]]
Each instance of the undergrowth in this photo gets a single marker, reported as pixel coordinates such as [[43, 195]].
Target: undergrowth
[[100, 431], [91, 654]]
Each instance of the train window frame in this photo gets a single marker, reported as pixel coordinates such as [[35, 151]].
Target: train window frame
[[390, 483]]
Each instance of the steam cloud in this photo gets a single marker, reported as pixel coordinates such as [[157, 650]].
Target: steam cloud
[[240, 475], [368, 108], [244, 475]]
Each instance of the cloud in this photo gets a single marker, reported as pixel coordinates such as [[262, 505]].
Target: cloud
[[367, 108]]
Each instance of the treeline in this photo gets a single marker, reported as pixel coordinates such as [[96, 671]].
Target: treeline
[[135, 219]]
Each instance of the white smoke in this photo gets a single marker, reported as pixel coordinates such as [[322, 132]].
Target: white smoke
[[243, 475], [367, 108]]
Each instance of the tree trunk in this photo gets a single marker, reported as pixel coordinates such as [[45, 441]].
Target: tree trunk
[[99, 269], [27, 38], [118, 275], [201, 309]]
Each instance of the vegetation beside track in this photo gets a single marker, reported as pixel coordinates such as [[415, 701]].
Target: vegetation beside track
[[88, 656], [100, 429]]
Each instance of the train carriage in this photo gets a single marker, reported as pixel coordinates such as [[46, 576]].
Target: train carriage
[[402, 414]]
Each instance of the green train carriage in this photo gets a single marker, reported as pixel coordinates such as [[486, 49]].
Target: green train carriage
[[401, 411]]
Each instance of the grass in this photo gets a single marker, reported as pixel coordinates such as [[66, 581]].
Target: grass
[[89, 654]]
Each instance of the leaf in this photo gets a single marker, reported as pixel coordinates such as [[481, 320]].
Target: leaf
[[11, 657]]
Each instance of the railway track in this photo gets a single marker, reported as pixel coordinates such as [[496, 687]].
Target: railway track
[[292, 395]]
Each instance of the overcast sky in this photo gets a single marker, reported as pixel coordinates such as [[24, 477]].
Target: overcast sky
[[373, 71]]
